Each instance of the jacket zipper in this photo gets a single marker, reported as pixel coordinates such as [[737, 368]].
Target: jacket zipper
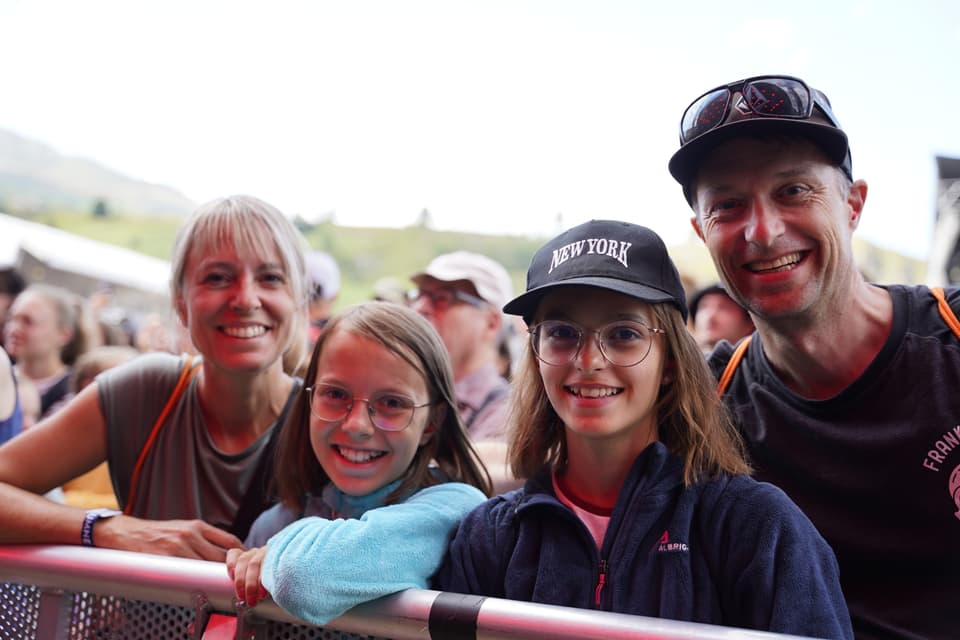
[[601, 580]]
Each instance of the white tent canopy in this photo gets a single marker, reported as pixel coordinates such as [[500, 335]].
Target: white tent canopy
[[71, 253]]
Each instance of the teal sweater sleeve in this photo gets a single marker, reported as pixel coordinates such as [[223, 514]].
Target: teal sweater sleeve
[[317, 569]]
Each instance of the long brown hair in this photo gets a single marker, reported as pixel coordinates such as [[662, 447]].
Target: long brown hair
[[408, 335], [692, 421]]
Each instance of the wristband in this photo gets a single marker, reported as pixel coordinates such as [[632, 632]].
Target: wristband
[[90, 519]]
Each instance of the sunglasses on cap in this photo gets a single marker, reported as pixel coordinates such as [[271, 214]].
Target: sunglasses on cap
[[783, 97]]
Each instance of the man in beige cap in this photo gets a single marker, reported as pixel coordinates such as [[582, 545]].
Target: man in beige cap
[[462, 294], [324, 274]]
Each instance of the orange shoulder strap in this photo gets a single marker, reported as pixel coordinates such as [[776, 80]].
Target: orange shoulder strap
[[190, 368], [945, 311], [731, 367]]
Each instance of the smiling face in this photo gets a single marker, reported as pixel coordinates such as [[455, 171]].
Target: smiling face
[[469, 330], [597, 401], [719, 317], [33, 330], [778, 218], [239, 309], [358, 457]]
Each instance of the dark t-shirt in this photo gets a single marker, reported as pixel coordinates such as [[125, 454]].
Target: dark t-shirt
[[876, 468], [184, 475]]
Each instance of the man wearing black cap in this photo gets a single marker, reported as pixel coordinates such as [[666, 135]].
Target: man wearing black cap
[[848, 393], [715, 316]]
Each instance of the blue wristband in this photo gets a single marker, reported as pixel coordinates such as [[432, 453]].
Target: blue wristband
[[90, 519]]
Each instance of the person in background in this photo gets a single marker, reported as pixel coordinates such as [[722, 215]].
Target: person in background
[[324, 277], [715, 316], [11, 414], [461, 294], [390, 289], [505, 340], [29, 397], [94, 489], [638, 499], [19, 408], [11, 285], [188, 441], [847, 393], [44, 336], [107, 323], [154, 333], [374, 471]]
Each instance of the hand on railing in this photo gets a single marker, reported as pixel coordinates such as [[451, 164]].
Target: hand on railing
[[182, 538], [243, 567]]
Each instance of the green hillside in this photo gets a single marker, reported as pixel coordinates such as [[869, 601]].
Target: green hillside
[[41, 185], [366, 254]]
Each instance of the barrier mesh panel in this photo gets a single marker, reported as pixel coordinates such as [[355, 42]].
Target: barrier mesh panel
[[19, 611], [93, 617], [87, 616], [278, 631]]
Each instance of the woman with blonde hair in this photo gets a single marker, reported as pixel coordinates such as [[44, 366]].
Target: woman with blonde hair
[[45, 335], [638, 499], [188, 440]]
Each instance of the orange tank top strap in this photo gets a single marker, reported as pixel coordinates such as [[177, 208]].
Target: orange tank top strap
[[190, 368], [945, 312], [731, 367]]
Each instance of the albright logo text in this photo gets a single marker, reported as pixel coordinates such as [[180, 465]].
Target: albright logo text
[[664, 545]]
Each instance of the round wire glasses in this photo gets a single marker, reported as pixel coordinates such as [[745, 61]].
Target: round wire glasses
[[623, 343], [387, 411]]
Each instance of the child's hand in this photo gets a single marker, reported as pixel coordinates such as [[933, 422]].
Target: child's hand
[[243, 567]]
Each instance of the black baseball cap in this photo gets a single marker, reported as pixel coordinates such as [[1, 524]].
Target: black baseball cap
[[700, 294], [745, 108], [608, 254]]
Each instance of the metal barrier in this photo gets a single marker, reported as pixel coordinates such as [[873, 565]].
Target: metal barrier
[[67, 592]]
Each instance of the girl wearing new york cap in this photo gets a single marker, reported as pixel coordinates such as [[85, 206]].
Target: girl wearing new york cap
[[638, 500]]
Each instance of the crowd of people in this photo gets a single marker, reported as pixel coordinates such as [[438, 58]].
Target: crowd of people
[[777, 450]]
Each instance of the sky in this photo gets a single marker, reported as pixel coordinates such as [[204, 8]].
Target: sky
[[513, 117]]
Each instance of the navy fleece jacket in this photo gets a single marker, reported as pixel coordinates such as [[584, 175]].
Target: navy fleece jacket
[[729, 551]]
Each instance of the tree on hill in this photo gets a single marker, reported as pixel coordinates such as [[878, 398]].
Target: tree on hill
[[302, 224], [100, 208], [425, 220]]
